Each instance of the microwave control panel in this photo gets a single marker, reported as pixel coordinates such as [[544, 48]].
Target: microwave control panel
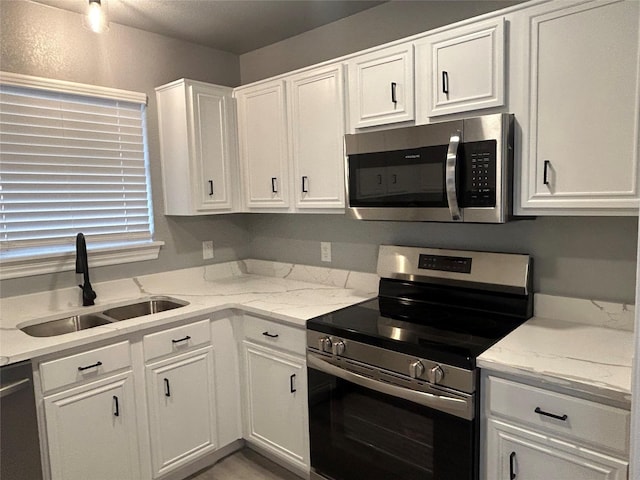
[[478, 182]]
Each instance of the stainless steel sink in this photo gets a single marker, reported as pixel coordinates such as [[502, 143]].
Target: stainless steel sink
[[146, 307], [74, 323], [66, 325]]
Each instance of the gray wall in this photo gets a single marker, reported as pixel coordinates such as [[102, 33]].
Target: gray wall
[[375, 26], [49, 42], [586, 257]]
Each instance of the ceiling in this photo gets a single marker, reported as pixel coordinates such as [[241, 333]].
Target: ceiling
[[236, 26]]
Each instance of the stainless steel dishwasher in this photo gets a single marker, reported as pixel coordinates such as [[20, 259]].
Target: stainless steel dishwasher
[[19, 442]]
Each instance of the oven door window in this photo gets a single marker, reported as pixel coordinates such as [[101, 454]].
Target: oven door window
[[402, 178], [357, 433]]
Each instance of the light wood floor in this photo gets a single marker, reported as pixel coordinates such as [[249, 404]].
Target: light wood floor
[[245, 464]]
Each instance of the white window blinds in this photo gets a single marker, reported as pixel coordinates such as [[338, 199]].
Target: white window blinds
[[71, 163]]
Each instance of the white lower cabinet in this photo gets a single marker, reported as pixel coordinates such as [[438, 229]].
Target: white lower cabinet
[[276, 403], [519, 453], [92, 431], [182, 414], [535, 434]]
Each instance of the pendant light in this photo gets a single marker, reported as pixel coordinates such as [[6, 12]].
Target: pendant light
[[95, 18]]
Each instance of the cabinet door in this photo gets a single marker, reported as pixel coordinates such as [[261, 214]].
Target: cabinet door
[[92, 432], [198, 147], [461, 70], [381, 87], [262, 134], [181, 398], [514, 452], [584, 104], [316, 120], [212, 148], [276, 400]]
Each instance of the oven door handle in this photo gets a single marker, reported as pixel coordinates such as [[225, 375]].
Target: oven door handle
[[450, 175], [459, 407]]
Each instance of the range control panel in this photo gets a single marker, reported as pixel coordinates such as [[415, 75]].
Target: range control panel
[[444, 264]]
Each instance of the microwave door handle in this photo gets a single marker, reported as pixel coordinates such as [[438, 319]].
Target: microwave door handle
[[450, 175]]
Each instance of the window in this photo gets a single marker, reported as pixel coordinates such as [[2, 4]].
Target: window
[[73, 158]]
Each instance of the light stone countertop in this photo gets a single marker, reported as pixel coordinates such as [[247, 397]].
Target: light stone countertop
[[589, 351], [581, 345], [285, 292]]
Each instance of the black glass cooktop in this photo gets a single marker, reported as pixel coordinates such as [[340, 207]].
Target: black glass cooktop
[[451, 335]]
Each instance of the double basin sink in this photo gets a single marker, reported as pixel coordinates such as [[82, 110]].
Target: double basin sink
[[74, 323]]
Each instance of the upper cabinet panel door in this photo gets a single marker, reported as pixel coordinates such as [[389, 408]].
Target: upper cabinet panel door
[[461, 70], [262, 134], [582, 145], [198, 147], [317, 126], [213, 143], [381, 87]]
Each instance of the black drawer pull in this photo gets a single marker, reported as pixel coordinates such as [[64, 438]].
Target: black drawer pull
[[270, 335], [545, 175], [547, 414], [292, 383], [445, 82], [95, 365], [512, 473], [394, 100], [167, 388], [116, 413], [305, 181], [184, 339], [210, 187], [274, 185]]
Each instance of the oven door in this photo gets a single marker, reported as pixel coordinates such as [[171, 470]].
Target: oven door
[[358, 432]]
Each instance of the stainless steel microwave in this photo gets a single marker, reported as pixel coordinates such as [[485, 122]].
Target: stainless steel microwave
[[454, 171]]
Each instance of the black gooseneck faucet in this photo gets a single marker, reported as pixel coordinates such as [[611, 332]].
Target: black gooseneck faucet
[[82, 266]]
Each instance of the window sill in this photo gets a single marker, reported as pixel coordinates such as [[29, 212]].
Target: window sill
[[29, 265]]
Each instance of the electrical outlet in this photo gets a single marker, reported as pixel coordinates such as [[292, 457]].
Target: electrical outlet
[[207, 250], [325, 251]]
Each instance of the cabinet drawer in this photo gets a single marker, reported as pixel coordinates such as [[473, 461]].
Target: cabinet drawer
[[176, 340], [275, 334], [561, 414], [84, 366]]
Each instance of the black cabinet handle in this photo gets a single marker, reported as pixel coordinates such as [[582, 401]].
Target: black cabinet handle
[[292, 380], [393, 92], [552, 415], [270, 335], [183, 339], [210, 187], [274, 184], [305, 181], [545, 178], [379, 179], [394, 179], [116, 412], [167, 388], [445, 82], [512, 474], [95, 365]]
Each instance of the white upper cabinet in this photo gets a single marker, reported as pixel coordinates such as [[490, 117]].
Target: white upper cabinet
[[317, 125], [263, 140], [381, 87], [580, 140], [460, 70], [198, 147]]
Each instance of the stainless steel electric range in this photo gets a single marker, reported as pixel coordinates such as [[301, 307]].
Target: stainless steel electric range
[[393, 383]]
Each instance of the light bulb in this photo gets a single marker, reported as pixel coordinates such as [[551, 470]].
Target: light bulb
[[96, 19]]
